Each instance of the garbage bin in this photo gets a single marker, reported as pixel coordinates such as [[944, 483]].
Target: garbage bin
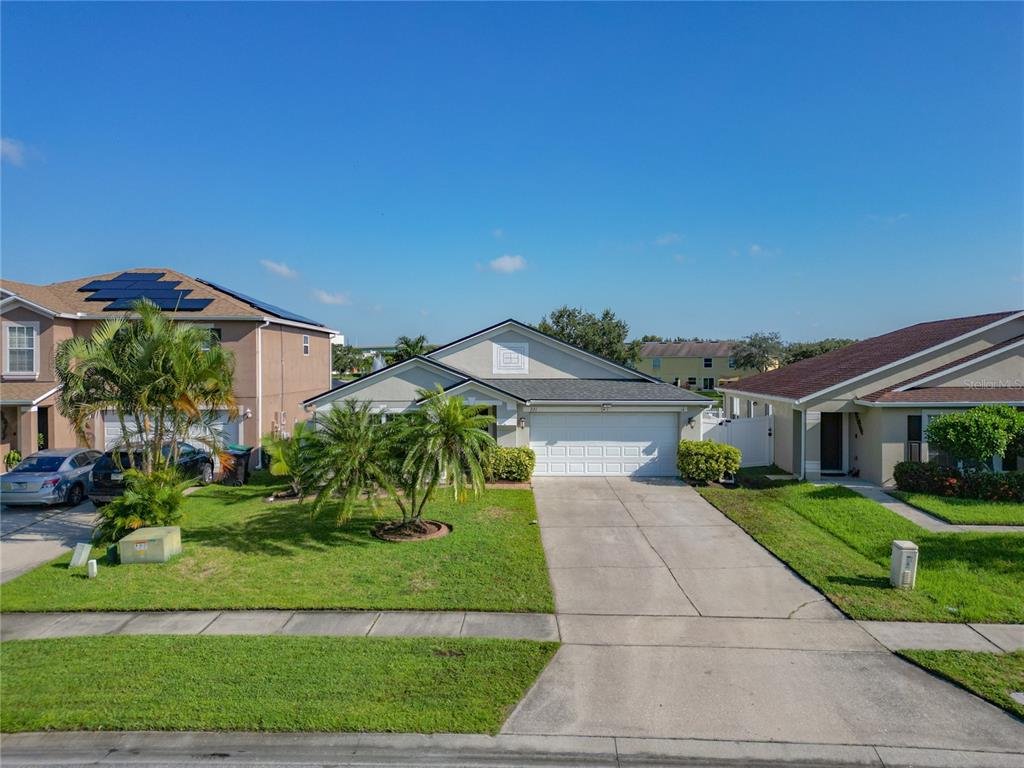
[[239, 472]]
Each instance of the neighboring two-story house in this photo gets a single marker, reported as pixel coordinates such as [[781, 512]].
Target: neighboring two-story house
[[864, 408], [698, 365], [281, 358]]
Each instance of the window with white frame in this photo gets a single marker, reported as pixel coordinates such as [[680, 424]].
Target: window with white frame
[[656, 363], [212, 339], [708, 362], [305, 345], [691, 381], [709, 383], [22, 348], [732, 362]]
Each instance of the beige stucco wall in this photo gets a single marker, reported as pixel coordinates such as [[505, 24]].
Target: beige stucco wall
[[547, 361], [397, 391], [685, 367], [289, 377], [1002, 370]]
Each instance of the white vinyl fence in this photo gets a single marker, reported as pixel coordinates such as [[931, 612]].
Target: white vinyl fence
[[752, 436]]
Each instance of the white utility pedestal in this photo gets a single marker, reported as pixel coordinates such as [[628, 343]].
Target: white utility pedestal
[[903, 568]]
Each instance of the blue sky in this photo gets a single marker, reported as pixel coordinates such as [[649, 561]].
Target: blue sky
[[820, 170]]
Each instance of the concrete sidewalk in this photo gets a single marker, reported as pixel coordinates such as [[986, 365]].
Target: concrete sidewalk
[[464, 751], [526, 626], [992, 638], [677, 625]]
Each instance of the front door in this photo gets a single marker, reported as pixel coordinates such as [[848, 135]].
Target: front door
[[831, 442]]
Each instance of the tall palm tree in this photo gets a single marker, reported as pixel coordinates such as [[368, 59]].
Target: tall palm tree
[[164, 380], [448, 442], [406, 347]]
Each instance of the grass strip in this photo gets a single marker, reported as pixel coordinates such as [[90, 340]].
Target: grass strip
[[265, 683]]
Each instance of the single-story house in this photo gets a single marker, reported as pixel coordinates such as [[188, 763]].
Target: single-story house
[[580, 413], [866, 407]]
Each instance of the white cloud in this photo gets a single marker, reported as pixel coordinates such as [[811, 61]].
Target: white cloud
[[498, 233], [279, 268], [12, 151], [668, 238], [331, 298], [756, 250], [508, 264]]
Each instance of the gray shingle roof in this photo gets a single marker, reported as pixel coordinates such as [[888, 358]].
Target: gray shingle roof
[[601, 390]]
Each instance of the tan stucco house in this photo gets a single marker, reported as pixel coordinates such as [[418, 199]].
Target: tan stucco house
[[281, 358], [864, 408], [700, 365], [580, 413]]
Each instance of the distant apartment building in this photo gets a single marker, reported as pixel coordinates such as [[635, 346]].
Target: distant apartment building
[[699, 365]]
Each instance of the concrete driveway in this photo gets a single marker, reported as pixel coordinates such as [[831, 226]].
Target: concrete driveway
[[676, 624], [31, 536]]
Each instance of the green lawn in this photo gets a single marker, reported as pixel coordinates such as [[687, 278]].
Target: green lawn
[[992, 676], [966, 511], [840, 542], [240, 552], [158, 682]]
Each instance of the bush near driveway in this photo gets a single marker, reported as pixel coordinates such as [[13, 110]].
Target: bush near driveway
[[268, 683], [840, 543], [706, 462], [241, 552], [513, 464]]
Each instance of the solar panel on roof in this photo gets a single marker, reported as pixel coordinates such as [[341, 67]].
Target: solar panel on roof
[[165, 304], [270, 308], [110, 294], [141, 276]]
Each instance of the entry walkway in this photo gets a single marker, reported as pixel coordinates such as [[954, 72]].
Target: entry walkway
[[677, 625], [911, 513]]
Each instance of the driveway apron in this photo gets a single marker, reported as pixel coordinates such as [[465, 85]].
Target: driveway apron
[[676, 624]]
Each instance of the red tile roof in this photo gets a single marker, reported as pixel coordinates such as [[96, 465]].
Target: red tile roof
[[806, 377], [955, 395]]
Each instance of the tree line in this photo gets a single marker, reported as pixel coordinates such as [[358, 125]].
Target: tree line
[[607, 335]]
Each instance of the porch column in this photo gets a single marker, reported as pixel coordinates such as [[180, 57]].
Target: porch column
[[28, 430]]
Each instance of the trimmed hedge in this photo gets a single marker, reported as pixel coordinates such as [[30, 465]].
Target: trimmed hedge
[[705, 462], [514, 464], [941, 480]]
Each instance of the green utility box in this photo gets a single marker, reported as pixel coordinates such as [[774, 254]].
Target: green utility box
[[150, 545]]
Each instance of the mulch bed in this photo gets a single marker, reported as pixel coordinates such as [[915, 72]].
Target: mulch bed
[[420, 530]]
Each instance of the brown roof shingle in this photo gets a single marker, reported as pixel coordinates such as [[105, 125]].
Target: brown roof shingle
[[955, 395], [21, 392], [687, 348], [65, 297], [806, 377]]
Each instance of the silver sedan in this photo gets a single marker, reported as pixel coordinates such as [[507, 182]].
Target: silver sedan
[[52, 476]]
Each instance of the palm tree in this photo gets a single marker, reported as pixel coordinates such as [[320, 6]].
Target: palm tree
[[288, 457], [406, 458], [350, 453], [163, 379], [406, 347], [449, 442]]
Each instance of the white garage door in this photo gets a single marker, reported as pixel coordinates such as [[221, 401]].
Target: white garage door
[[604, 443], [112, 430]]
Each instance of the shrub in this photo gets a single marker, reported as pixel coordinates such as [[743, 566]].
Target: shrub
[[705, 462], [917, 477], [993, 486], [148, 500], [977, 434], [514, 464], [13, 458]]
